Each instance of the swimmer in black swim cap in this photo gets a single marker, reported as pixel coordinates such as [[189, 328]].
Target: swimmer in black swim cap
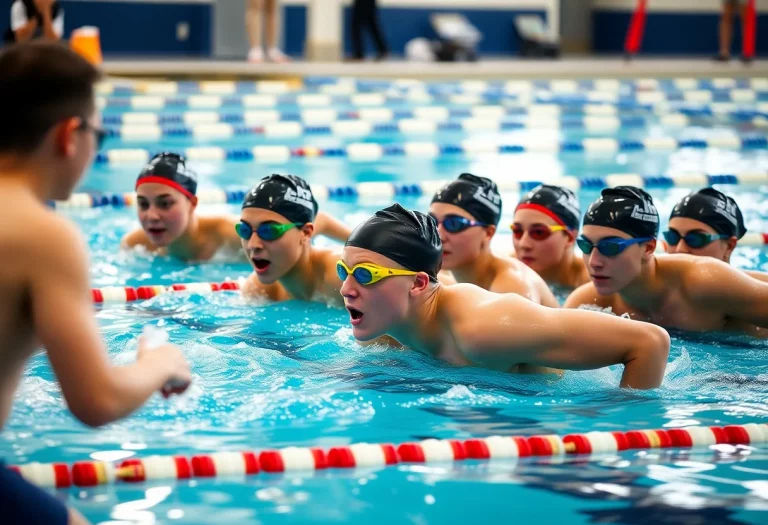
[[705, 222], [277, 222], [676, 291], [388, 270], [544, 232], [166, 198], [467, 211]]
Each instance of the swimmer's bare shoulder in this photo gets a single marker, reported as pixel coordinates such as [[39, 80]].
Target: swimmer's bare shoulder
[[544, 294], [222, 227], [326, 278], [136, 238]]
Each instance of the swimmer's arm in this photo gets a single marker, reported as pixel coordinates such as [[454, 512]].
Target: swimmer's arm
[[717, 285], [760, 276], [523, 332], [331, 227], [136, 238], [96, 391]]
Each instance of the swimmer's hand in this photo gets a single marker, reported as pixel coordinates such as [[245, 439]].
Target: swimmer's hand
[[168, 359]]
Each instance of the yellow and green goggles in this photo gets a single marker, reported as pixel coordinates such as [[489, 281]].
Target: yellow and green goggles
[[367, 273]]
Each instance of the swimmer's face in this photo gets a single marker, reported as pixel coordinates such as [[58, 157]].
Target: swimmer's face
[[461, 248], [612, 274], [164, 212], [273, 260], [76, 143], [719, 249], [382, 307], [545, 255]]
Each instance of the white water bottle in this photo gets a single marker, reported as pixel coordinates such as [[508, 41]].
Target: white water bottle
[[154, 336]]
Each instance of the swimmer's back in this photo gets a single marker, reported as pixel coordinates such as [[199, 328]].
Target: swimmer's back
[[30, 236]]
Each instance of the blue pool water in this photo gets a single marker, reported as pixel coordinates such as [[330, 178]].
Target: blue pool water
[[274, 375]]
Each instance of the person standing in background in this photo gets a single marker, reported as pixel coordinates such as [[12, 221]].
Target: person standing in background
[[35, 19], [365, 13], [253, 24], [726, 27]]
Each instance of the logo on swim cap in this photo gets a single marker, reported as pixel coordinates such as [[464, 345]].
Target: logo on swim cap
[[300, 196], [490, 198], [728, 210], [648, 213], [569, 202]]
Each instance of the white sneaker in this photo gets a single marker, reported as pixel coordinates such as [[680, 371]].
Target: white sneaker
[[256, 55], [275, 55]]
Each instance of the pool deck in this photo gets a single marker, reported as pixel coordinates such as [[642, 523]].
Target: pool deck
[[573, 68]]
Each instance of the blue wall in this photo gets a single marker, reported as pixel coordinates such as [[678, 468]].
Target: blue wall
[[120, 23], [664, 33], [400, 25]]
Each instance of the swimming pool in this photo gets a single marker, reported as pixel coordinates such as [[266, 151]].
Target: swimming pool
[[270, 376]]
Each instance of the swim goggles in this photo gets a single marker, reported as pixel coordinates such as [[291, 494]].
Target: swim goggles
[[610, 246], [537, 232], [367, 273], [456, 223], [694, 239], [268, 231]]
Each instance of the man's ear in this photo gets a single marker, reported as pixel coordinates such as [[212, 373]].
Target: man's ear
[[64, 136], [420, 284]]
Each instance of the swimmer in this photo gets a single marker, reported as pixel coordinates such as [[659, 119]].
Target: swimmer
[[678, 291], [467, 212], [389, 272], [50, 135], [166, 197], [544, 231], [707, 222], [275, 228]]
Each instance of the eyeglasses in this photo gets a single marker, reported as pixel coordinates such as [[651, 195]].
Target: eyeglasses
[[268, 231], [99, 134], [694, 239], [537, 232], [456, 223], [368, 273], [609, 247]]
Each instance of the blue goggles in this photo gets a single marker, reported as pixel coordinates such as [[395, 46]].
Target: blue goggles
[[610, 246]]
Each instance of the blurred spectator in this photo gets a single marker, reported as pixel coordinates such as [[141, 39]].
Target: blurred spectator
[[726, 26], [365, 14], [253, 24], [35, 19]]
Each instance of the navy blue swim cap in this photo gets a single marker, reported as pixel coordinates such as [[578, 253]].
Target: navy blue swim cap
[[407, 237], [714, 209], [288, 195], [556, 202], [625, 208], [170, 169], [476, 195]]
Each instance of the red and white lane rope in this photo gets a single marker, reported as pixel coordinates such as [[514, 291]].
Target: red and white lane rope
[[366, 455], [129, 294]]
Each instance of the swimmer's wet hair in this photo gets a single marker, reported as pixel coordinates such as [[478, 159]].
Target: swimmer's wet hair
[[42, 83]]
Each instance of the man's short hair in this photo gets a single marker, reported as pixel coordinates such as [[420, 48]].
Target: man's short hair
[[41, 84]]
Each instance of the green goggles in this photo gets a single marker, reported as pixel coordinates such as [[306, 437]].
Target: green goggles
[[267, 231]]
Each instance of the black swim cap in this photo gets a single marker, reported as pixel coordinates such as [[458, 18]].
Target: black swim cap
[[409, 238], [558, 203], [170, 169], [625, 208], [288, 195], [714, 209], [477, 195]]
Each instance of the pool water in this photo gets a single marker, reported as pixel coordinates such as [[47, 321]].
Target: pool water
[[275, 375]]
